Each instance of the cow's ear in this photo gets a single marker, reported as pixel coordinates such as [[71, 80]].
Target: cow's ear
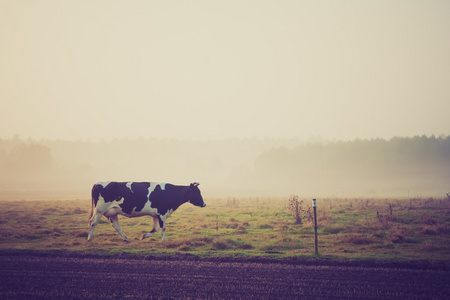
[[195, 184]]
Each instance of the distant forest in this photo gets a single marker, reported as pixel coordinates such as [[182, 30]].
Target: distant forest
[[406, 167], [400, 166]]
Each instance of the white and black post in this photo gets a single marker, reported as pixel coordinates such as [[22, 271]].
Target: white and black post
[[315, 228]]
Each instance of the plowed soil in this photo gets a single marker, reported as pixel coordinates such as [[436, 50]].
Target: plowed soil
[[29, 276]]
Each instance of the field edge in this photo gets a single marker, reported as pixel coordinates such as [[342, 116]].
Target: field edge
[[294, 260]]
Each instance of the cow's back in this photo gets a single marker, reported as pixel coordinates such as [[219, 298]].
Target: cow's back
[[131, 195]]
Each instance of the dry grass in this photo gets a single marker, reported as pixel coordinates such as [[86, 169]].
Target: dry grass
[[348, 228]]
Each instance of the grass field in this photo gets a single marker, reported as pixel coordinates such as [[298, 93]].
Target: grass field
[[393, 229]]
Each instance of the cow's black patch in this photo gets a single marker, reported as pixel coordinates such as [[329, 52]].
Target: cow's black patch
[[110, 192], [96, 190], [161, 222], [115, 191], [169, 198], [138, 197]]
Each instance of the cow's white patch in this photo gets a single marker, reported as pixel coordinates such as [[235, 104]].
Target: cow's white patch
[[152, 187], [147, 210], [129, 186], [104, 183], [166, 215], [103, 206]]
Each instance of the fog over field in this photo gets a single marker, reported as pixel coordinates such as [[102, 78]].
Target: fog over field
[[403, 167], [317, 98]]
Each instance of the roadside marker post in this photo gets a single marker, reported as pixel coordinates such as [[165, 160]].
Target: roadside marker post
[[315, 228]]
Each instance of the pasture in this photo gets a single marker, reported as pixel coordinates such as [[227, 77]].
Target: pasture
[[388, 229]]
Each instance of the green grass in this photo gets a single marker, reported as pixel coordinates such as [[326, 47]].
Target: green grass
[[348, 229]]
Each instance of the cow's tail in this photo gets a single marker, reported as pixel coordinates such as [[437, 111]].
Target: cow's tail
[[92, 212], [93, 204]]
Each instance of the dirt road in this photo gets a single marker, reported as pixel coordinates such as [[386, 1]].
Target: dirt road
[[51, 277]]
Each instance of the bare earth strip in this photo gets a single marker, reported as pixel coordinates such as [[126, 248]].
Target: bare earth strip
[[59, 277]]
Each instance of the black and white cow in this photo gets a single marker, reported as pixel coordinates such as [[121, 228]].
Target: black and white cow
[[136, 199]]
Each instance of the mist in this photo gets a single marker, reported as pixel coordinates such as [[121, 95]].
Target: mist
[[227, 93], [400, 167], [224, 69]]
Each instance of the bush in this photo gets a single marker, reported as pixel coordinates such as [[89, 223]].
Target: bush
[[296, 209]]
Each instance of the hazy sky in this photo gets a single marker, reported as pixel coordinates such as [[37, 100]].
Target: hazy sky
[[216, 69]]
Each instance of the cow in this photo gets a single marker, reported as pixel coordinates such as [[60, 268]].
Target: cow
[[136, 199]]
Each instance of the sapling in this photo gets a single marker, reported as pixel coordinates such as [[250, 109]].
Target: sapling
[[295, 207]]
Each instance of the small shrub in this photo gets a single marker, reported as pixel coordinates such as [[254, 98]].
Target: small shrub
[[296, 209]]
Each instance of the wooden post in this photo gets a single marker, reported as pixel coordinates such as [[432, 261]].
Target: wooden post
[[315, 228]]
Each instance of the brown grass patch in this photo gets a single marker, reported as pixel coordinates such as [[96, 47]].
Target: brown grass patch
[[357, 239]]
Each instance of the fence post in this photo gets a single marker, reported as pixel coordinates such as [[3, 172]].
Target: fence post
[[315, 228]]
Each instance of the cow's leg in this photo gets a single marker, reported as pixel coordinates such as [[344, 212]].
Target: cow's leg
[[155, 228], [115, 223], [162, 224], [94, 221]]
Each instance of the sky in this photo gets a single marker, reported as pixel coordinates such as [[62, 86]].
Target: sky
[[218, 69]]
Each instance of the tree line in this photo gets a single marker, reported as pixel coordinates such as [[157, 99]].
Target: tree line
[[400, 166]]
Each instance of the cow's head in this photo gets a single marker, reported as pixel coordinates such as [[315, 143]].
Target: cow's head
[[195, 197]]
